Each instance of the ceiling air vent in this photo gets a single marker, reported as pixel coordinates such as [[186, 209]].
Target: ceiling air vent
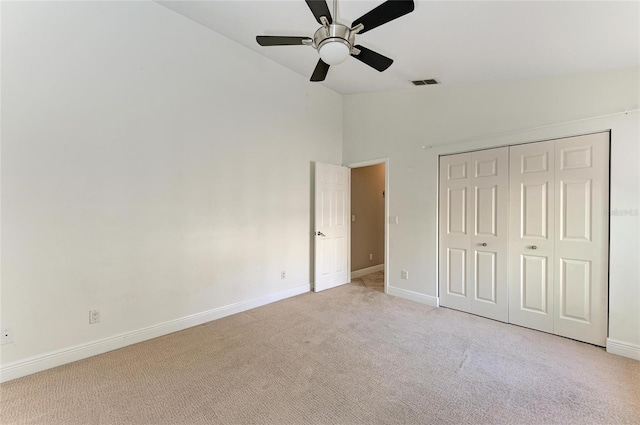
[[425, 82]]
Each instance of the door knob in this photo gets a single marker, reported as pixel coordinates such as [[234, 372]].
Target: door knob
[[483, 244], [534, 247], [321, 234]]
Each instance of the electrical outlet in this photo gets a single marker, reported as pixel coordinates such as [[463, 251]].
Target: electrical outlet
[[404, 274], [7, 336], [370, 256], [94, 317], [353, 217], [283, 275], [393, 219]]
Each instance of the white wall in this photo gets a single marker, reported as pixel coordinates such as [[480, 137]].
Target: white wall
[[446, 119], [151, 169]]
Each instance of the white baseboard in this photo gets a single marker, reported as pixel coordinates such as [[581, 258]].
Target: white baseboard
[[624, 349], [57, 358], [413, 296], [366, 271]]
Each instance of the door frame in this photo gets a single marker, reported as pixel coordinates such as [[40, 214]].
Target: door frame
[[368, 163]]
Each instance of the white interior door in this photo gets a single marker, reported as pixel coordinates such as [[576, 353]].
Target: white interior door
[[332, 212], [474, 232], [531, 243], [455, 231], [581, 237], [490, 233]]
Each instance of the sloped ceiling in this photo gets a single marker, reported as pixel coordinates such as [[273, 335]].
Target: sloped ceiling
[[456, 42]]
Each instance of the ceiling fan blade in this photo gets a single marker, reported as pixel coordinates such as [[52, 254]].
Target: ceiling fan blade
[[320, 73], [373, 59], [386, 12], [319, 8], [276, 40]]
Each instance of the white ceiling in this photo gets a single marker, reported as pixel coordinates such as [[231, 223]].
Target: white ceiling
[[456, 42]]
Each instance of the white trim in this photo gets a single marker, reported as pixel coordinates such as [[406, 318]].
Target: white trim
[[366, 271], [368, 163], [57, 358], [387, 191], [625, 349], [413, 296], [539, 127]]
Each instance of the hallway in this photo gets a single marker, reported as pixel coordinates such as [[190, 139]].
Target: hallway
[[371, 281]]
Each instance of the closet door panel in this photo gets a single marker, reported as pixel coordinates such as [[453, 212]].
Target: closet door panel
[[454, 231], [581, 243], [490, 233], [531, 244]]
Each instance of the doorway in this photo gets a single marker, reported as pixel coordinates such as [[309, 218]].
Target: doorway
[[369, 236]]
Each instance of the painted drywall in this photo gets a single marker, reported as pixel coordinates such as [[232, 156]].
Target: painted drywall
[[413, 127], [151, 169], [367, 205]]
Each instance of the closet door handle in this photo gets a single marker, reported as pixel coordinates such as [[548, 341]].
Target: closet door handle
[[483, 244], [534, 247]]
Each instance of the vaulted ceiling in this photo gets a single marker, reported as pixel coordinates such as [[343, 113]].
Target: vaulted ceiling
[[455, 42]]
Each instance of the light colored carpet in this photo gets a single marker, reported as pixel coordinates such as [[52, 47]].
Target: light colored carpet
[[371, 281], [349, 355]]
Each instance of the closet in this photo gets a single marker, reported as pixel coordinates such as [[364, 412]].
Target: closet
[[523, 235]]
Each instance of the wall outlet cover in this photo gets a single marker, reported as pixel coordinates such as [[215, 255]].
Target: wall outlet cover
[[6, 337]]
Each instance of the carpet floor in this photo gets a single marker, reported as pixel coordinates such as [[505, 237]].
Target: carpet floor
[[372, 281], [349, 355]]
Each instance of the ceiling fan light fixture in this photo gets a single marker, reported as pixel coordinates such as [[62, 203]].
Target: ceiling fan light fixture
[[334, 51], [334, 43]]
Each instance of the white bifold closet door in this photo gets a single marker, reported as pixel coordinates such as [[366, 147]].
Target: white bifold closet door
[[473, 264], [559, 236], [524, 235]]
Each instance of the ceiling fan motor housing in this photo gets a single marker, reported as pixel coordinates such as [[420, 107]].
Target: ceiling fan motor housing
[[334, 33]]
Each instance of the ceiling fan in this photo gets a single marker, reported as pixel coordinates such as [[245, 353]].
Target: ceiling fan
[[335, 42]]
